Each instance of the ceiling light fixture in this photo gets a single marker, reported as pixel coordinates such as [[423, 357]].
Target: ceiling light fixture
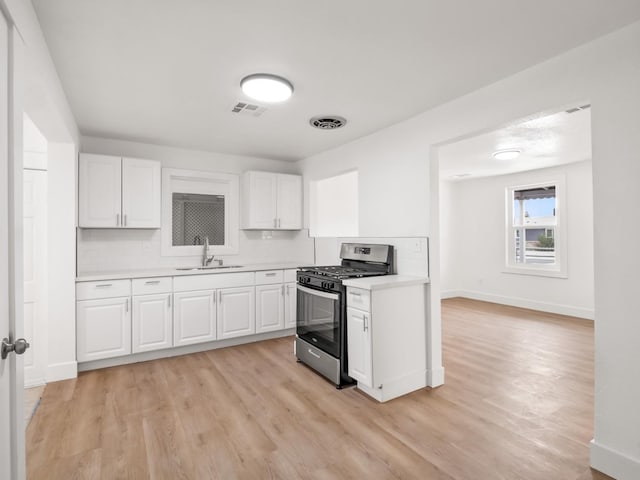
[[506, 154], [265, 87]]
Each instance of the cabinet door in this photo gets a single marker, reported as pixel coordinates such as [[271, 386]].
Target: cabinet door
[[359, 346], [194, 317], [236, 312], [269, 308], [104, 328], [290, 303], [260, 198], [152, 323], [140, 193], [99, 191], [289, 202]]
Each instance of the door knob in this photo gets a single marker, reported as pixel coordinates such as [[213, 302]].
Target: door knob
[[20, 346]]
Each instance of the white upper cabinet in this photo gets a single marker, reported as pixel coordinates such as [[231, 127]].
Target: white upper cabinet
[[141, 193], [100, 191], [272, 201], [117, 192]]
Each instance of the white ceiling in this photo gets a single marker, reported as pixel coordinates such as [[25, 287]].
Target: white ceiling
[[168, 72], [546, 141]]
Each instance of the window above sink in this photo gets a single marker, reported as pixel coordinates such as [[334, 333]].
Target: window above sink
[[196, 206]]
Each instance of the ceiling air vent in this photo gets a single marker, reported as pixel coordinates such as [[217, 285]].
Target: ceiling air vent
[[577, 109], [328, 122], [245, 108]]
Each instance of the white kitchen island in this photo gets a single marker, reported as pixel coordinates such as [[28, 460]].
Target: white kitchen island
[[386, 334]]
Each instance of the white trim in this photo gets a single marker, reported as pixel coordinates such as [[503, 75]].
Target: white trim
[[185, 350], [560, 309], [614, 464], [435, 377], [205, 180], [450, 294], [38, 382], [61, 371]]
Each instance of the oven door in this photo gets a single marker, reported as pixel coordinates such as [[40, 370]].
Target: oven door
[[318, 319]]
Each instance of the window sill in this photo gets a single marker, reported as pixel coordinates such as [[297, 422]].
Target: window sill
[[535, 271]]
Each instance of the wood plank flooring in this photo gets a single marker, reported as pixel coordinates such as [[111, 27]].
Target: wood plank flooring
[[517, 403]]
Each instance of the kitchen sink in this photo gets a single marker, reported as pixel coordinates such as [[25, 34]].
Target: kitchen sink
[[209, 267]]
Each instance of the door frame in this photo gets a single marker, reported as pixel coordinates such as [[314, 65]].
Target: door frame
[[17, 467]]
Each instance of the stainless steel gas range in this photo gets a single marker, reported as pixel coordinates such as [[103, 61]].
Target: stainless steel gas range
[[321, 331]]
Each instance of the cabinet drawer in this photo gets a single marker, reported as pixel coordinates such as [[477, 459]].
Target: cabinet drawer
[[269, 276], [103, 289], [290, 275], [190, 283], [359, 298], [146, 286]]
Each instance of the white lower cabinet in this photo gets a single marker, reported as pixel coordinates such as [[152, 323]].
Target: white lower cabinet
[[194, 317], [290, 305], [236, 312], [103, 328], [359, 346], [269, 307], [152, 322]]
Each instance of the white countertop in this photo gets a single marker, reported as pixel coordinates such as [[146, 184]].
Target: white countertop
[[385, 281], [173, 272]]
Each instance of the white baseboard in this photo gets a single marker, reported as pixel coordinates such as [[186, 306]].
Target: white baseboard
[[62, 371], [435, 377], [526, 303], [613, 463], [185, 350], [450, 294], [38, 382]]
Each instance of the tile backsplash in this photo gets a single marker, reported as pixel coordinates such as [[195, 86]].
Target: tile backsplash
[[106, 250]]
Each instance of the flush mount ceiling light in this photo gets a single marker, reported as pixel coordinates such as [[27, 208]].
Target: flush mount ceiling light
[[265, 87], [506, 154]]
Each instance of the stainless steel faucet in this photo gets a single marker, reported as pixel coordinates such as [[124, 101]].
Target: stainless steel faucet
[[206, 260]]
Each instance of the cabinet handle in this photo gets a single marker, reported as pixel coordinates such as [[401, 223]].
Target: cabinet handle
[[279, 222], [355, 294], [169, 301], [283, 290], [288, 290], [126, 305], [152, 282], [125, 219], [104, 285], [272, 274], [220, 296], [275, 223], [117, 219], [214, 297], [365, 327]]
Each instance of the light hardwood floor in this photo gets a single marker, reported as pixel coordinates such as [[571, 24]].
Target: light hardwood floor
[[518, 403]]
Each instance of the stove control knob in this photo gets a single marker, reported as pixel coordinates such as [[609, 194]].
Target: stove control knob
[[332, 285], [324, 284]]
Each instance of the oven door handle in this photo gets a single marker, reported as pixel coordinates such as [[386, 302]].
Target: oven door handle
[[318, 293]]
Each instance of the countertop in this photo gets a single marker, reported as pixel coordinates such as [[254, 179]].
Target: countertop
[[385, 281], [173, 272]]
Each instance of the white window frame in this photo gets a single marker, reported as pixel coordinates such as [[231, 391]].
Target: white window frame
[[559, 268], [206, 183]]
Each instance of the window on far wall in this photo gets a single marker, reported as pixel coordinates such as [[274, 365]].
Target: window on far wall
[[334, 206], [536, 238]]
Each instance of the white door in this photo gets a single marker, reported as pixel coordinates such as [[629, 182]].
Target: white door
[[141, 193], [194, 317], [103, 328], [35, 248], [290, 305], [99, 191], [269, 308], [289, 202], [152, 323], [12, 464], [236, 312], [262, 204], [359, 346]]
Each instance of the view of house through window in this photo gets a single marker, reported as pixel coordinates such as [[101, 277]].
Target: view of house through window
[[533, 225]]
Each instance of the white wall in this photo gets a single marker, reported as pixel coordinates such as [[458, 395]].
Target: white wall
[[395, 193], [44, 101], [472, 233], [104, 250]]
